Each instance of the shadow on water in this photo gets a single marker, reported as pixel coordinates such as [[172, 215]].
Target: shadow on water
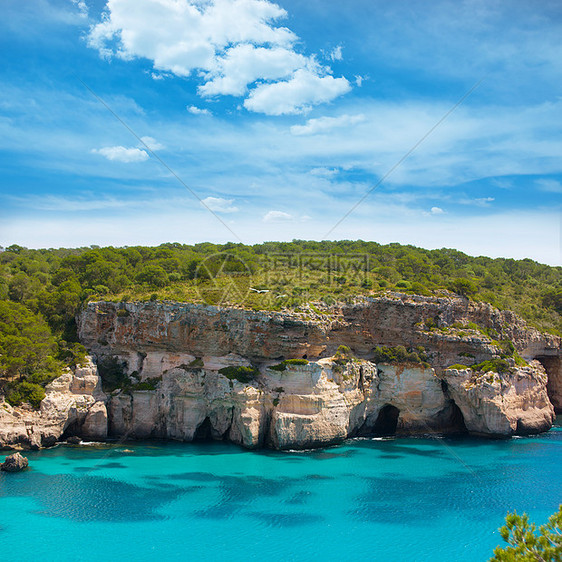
[[395, 498], [299, 498], [237, 493], [288, 519], [89, 498]]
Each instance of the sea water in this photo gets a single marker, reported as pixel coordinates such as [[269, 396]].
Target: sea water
[[380, 499]]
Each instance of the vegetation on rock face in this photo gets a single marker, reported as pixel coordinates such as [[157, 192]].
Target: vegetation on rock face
[[399, 354], [525, 544], [47, 287], [241, 374], [495, 365], [283, 365]]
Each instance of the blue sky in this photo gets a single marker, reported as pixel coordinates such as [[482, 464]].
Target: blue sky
[[280, 117]]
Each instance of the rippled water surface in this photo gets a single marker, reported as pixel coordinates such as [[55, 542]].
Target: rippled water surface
[[398, 499]]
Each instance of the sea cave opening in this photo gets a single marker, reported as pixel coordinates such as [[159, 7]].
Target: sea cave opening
[[204, 431], [387, 421], [553, 367]]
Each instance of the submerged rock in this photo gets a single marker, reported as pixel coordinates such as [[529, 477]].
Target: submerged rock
[[14, 463]]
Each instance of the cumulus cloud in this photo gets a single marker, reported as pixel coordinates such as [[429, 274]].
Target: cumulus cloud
[[277, 216], [197, 110], [243, 64], [220, 205], [299, 94], [436, 211], [229, 44], [122, 154], [326, 124]]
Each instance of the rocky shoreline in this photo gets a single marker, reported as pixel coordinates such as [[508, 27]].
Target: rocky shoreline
[[199, 372]]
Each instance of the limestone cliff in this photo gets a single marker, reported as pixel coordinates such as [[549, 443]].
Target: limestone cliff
[[183, 347], [325, 402], [190, 372], [440, 325]]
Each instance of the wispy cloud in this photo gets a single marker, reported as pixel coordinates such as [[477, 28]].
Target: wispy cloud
[[153, 144], [326, 124], [549, 185], [336, 53], [477, 201], [220, 205]]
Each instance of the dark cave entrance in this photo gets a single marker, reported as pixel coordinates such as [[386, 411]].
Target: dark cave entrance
[[552, 366], [387, 421], [203, 431], [450, 419], [455, 421]]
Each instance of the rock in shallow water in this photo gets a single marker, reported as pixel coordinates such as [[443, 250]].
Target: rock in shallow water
[[14, 463]]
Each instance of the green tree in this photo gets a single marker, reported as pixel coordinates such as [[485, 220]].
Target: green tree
[[462, 286], [152, 275], [525, 545], [26, 343]]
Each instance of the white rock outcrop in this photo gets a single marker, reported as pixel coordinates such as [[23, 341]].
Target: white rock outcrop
[[327, 401], [74, 401]]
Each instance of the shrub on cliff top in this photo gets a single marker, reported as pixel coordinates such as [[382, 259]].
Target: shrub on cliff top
[[343, 355], [399, 354], [283, 365], [458, 367], [24, 391], [241, 374], [496, 365]]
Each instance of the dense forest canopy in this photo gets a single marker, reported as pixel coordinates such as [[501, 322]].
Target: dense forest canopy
[[41, 290]]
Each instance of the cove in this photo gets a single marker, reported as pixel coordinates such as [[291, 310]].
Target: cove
[[376, 499]]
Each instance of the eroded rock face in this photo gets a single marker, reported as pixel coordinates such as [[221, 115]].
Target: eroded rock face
[[325, 402], [503, 405], [199, 330], [73, 400]]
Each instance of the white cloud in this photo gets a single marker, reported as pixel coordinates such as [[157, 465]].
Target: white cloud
[[324, 172], [153, 144], [296, 95], [326, 124], [277, 216], [359, 80], [220, 205], [243, 64], [122, 154], [551, 186], [82, 7], [197, 110], [436, 211], [478, 201], [336, 53], [231, 44]]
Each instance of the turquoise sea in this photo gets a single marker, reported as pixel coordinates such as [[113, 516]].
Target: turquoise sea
[[394, 499]]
